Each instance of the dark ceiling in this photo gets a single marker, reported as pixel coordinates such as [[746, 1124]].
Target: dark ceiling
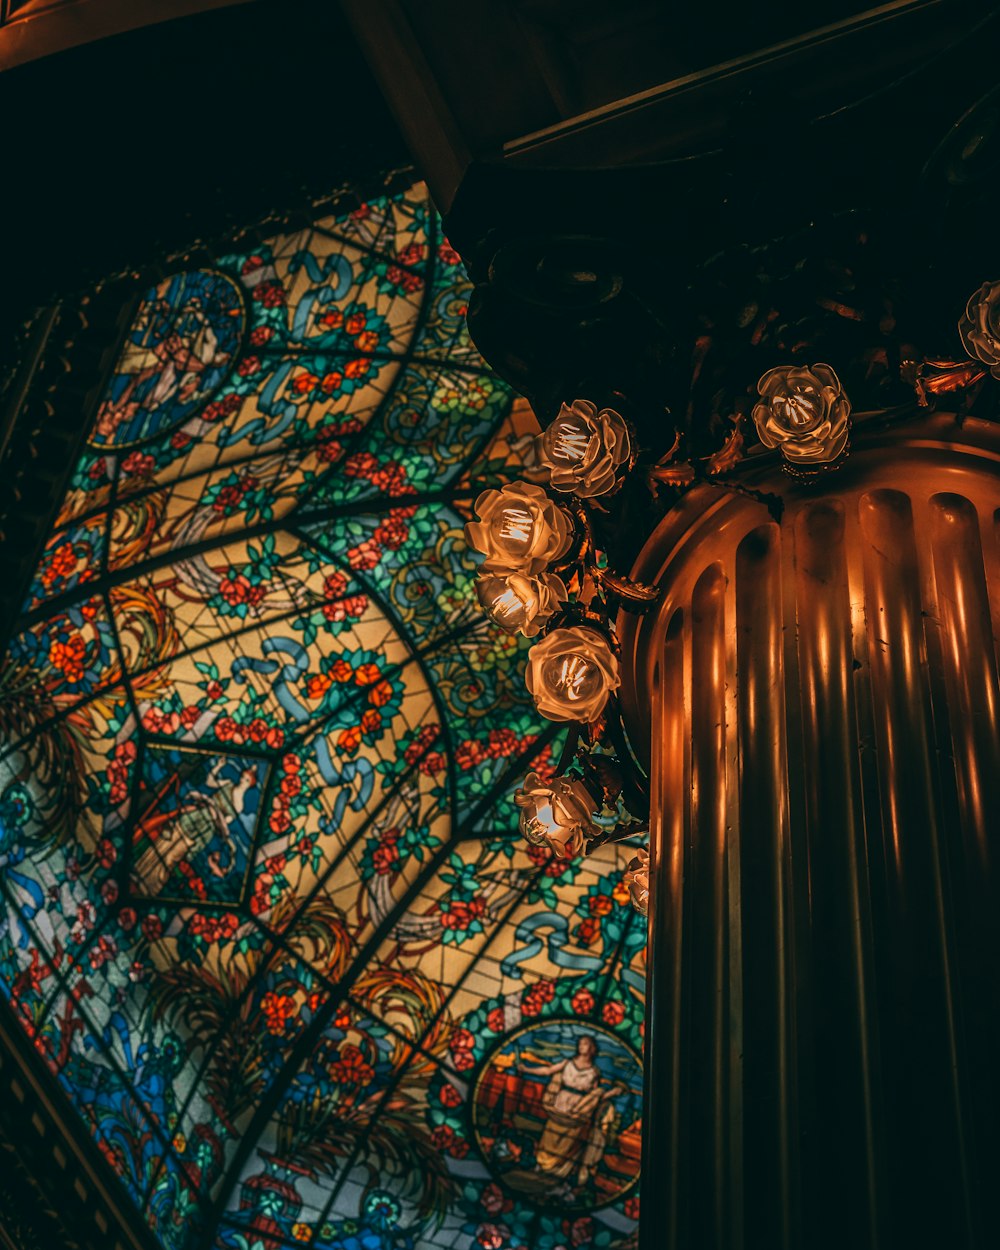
[[130, 147], [126, 149]]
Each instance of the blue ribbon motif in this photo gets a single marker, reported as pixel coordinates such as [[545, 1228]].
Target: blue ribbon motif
[[558, 939], [299, 662], [344, 776]]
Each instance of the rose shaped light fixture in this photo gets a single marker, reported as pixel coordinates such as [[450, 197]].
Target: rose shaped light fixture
[[583, 450], [804, 413], [571, 673], [637, 880], [543, 574], [558, 815], [979, 326], [520, 529], [518, 602]]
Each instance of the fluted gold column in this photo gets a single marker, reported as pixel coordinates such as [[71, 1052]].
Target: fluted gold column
[[820, 699]]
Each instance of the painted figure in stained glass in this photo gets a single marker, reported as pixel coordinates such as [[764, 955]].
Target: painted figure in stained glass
[[556, 1112], [178, 352], [580, 1114], [193, 838]]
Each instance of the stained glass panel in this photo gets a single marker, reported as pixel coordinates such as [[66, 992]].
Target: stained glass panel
[[265, 912]]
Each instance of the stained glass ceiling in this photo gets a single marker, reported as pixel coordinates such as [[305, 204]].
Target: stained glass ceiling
[[265, 911]]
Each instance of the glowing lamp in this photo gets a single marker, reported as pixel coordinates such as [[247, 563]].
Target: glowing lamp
[[557, 814], [519, 603], [520, 530], [636, 880], [571, 674]]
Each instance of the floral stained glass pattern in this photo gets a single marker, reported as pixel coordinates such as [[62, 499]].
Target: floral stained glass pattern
[[264, 910]]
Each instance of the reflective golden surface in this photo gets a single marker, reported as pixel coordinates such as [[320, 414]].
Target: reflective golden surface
[[822, 723]]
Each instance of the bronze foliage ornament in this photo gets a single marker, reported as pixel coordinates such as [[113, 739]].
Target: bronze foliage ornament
[[979, 332]]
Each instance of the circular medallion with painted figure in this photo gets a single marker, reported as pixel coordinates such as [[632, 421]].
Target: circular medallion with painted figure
[[556, 1111]]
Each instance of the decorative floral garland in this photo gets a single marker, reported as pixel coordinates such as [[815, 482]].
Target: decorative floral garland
[[543, 575]]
